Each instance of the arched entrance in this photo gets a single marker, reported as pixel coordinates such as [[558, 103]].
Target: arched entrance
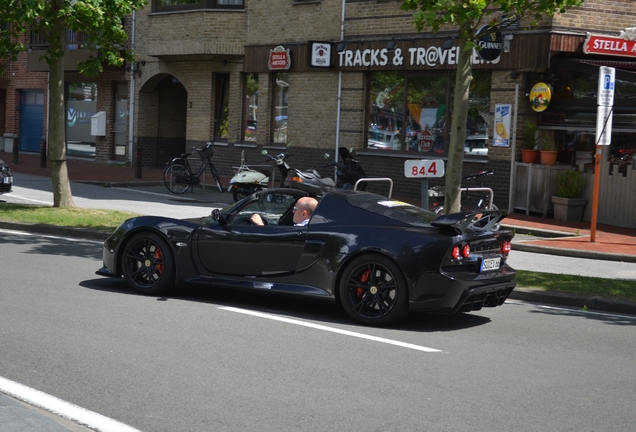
[[162, 120]]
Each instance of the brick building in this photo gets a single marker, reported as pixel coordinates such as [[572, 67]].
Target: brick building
[[318, 74], [24, 103]]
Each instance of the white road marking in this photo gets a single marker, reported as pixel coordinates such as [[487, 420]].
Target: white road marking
[[163, 195], [62, 408], [32, 200], [25, 233], [330, 329]]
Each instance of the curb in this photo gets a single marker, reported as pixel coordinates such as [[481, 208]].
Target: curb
[[575, 253], [574, 301]]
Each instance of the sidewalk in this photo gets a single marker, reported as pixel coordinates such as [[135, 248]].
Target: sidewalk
[[534, 234]]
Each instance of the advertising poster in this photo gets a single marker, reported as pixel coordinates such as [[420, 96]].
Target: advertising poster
[[501, 136]]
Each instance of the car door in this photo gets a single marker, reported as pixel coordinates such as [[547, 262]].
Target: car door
[[239, 248]]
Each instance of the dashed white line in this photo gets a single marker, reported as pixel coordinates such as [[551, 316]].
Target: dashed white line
[[62, 408], [330, 329]]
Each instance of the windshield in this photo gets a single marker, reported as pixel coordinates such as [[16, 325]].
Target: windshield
[[394, 209]]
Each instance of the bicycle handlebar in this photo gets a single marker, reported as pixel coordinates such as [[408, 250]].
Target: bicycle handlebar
[[479, 174]]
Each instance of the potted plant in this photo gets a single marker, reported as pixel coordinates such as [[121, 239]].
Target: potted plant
[[568, 202], [549, 149], [529, 152]]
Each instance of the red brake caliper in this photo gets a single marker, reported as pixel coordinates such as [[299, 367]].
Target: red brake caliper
[[158, 257], [363, 279]]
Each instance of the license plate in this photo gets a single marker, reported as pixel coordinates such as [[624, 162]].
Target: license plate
[[7, 180], [490, 264]]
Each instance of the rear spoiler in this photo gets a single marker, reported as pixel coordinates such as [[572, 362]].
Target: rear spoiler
[[484, 220]]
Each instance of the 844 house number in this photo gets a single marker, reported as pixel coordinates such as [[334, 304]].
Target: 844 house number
[[428, 168]]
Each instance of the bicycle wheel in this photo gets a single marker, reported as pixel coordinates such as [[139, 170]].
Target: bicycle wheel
[[217, 179], [175, 177]]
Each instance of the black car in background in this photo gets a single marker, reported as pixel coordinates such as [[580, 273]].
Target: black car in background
[[377, 256], [6, 178]]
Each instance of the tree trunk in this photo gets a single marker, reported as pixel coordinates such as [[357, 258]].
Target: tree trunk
[[452, 199], [62, 196]]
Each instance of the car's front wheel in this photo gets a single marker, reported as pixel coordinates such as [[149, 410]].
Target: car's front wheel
[[373, 291], [148, 264]]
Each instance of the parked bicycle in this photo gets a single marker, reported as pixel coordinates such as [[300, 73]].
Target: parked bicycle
[[179, 177], [473, 198]]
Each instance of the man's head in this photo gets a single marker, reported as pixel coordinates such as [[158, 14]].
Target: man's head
[[304, 208]]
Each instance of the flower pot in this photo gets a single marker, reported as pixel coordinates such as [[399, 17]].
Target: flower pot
[[568, 209], [530, 156], [548, 157]]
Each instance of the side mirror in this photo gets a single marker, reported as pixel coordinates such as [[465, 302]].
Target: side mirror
[[218, 216]]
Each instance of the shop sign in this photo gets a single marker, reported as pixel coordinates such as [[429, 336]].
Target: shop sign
[[414, 56], [489, 43], [426, 141], [320, 54], [540, 96], [609, 45], [501, 136], [279, 58]]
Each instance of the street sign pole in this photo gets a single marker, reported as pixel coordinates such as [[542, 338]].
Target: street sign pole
[[606, 81]]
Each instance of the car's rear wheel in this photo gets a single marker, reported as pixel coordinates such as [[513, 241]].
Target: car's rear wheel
[[148, 264], [373, 291]]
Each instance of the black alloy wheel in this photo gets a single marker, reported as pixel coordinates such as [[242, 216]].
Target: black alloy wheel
[[148, 264], [373, 291]]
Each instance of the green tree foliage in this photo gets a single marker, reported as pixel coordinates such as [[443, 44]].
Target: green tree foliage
[[102, 23], [468, 17]]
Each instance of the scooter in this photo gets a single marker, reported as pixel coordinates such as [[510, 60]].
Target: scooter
[[247, 180], [349, 171]]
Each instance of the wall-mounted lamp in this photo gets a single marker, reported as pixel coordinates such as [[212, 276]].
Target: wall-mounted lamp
[[391, 45], [448, 43], [514, 75], [341, 47], [506, 42]]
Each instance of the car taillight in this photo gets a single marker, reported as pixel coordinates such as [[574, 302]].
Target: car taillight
[[455, 252], [506, 246], [460, 251]]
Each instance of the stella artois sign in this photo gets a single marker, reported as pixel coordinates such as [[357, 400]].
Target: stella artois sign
[[623, 45], [279, 58]]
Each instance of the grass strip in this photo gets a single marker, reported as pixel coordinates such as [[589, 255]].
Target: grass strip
[[587, 286], [64, 216]]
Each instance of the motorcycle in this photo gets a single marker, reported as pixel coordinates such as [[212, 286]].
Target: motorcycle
[[247, 180], [309, 180], [349, 171]]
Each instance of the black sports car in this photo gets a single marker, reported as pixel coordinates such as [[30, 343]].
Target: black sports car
[[6, 178], [377, 256]]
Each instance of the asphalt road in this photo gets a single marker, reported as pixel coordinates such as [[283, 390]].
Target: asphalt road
[[220, 360]]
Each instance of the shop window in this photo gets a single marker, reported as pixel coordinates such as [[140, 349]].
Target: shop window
[[81, 105], [250, 107], [280, 103], [221, 106], [410, 113], [174, 5]]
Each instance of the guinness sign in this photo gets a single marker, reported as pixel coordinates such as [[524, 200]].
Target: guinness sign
[[489, 43]]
